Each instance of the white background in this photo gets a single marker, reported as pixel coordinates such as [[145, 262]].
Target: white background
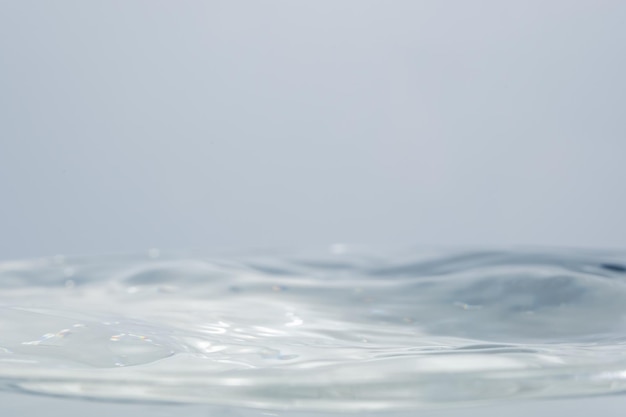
[[126, 125]]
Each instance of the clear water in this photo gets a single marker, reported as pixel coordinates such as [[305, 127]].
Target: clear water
[[343, 330]]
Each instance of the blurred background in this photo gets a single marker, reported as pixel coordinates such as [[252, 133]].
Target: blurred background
[[126, 125]]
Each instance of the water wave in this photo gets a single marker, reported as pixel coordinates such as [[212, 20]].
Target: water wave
[[342, 331]]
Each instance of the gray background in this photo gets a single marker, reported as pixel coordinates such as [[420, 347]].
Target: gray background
[[126, 125]]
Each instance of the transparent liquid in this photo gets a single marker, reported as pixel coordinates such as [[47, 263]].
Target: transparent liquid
[[340, 331]]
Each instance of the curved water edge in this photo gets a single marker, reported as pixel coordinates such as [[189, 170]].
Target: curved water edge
[[343, 330]]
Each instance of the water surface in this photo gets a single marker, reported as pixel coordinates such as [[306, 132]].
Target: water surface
[[343, 330]]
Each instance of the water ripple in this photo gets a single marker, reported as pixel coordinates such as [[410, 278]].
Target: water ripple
[[342, 331]]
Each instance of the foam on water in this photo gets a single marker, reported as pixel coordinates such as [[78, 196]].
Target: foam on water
[[343, 331]]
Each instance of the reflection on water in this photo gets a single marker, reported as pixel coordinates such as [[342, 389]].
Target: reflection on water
[[343, 331]]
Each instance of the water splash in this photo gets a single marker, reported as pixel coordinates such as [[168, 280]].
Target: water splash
[[343, 331]]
